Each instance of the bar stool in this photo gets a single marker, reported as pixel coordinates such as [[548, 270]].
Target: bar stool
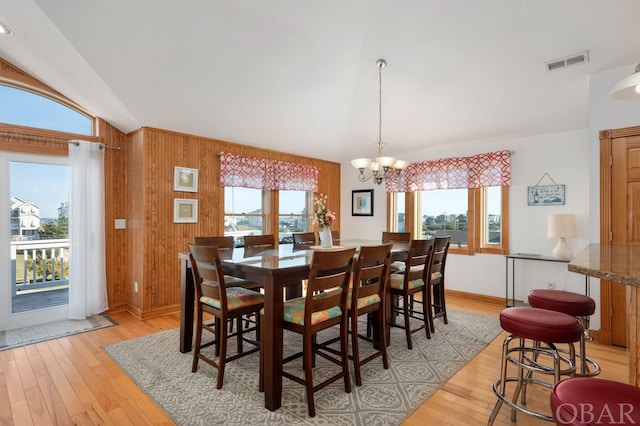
[[588, 400], [574, 304], [537, 325]]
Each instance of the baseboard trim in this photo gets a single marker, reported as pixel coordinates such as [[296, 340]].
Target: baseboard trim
[[476, 297]]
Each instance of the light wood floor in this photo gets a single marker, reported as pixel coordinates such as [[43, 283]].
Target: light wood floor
[[72, 381]]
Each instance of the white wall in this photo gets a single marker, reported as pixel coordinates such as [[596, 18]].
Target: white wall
[[565, 156], [571, 158]]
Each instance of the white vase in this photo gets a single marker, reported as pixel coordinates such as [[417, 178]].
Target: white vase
[[325, 237]]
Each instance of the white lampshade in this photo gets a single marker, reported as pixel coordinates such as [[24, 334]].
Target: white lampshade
[[361, 163], [386, 161], [628, 89], [401, 165], [562, 226]]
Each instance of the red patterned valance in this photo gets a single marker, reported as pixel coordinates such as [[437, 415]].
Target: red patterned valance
[[482, 170], [259, 173]]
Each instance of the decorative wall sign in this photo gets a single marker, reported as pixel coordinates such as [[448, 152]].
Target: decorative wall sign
[[185, 179], [362, 202], [546, 195], [185, 211]]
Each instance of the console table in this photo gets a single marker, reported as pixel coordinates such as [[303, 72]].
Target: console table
[[513, 258]]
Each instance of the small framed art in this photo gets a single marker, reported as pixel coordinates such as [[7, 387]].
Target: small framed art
[[185, 179], [185, 211], [362, 202]]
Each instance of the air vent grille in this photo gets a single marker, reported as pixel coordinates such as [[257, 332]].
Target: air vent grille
[[567, 61]]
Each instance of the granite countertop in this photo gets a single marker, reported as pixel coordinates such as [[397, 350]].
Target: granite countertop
[[613, 262]]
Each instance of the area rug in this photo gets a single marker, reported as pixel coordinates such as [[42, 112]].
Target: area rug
[[387, 397], [11, 339]]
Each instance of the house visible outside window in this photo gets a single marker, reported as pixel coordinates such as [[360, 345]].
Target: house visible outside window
[[243, 212], [293, 208], [445, 212]]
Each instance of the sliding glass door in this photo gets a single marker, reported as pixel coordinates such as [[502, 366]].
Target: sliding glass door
[[34, 239]]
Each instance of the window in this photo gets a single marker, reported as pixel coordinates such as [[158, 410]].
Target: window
[[492, 219], [26, 108], [398, 212], [445, 212], [243, 212], [293, 208], [476, 219]]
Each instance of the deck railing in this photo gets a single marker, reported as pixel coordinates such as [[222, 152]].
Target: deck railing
[[39, 265]]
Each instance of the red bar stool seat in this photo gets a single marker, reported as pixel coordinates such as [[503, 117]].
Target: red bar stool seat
[[574, 304], [592, 401], [537, 326]]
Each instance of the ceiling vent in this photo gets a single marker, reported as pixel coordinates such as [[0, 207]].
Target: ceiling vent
[[578, 58]]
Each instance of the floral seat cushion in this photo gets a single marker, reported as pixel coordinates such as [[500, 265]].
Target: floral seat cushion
[[364, 301], [237, 297], [294, 312], [397, 282]]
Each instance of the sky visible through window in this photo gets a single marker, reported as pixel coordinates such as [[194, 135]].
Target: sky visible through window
[[44, 185]]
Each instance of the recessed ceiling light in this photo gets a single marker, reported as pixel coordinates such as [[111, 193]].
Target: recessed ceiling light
[[5, 29]]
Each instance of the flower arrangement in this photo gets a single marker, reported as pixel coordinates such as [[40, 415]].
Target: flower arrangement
[[323, 217]]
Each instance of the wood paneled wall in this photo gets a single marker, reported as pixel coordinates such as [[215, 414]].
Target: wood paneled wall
[[154, 241]]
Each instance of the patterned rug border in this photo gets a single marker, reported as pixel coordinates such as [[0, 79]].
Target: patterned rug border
[[17, 338], [387, 397]]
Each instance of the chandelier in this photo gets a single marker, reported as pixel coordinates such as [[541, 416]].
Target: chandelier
[[379, 168]]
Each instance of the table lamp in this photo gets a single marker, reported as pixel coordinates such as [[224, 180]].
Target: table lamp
[[562, 226]]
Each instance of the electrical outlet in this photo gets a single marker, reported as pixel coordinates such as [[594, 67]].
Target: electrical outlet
[[135, 286], [551, 286]]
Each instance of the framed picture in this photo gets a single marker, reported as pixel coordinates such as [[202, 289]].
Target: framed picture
[[545, 195], [185, 211], [362, 202], [185, 179]]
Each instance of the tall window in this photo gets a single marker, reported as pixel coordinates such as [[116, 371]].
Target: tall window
[[243, 212], [293, 208]]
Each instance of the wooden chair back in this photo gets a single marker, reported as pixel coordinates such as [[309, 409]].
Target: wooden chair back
[[388, 237], [208, 278], [440, 250], [371, 272], [328, 284], [335, 236], [418, 262], [263, 241], [304, 239], [222, 242]]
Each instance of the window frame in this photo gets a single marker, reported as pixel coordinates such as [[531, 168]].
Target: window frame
[[476, 220]]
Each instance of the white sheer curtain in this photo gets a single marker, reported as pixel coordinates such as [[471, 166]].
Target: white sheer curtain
[[87, 274]]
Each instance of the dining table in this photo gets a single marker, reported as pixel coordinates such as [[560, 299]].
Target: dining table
[[276, 268]]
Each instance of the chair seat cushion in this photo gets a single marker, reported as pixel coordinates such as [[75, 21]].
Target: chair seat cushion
[[397, 281], [237, 297], [592, 401], [364, 301], [575, 304], [294, 311], [541, 324]]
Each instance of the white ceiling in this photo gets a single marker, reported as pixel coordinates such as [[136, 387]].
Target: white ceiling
[[299, 76]]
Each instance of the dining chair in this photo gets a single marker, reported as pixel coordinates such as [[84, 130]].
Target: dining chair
[[403, 237], [259, 241], [304, 239], [324, 306], [411, 280], [225, 246], [335, 236], [435, 292], [368, 290], [224, 304]]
